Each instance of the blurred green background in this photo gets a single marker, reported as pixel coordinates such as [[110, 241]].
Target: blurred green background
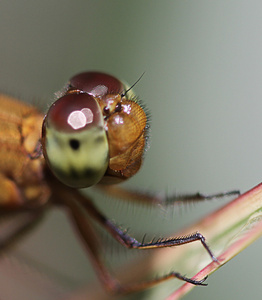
[[202, 86]]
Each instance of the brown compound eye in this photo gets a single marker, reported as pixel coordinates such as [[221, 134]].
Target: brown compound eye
[[74, 140], [96, 84], [74, 112]]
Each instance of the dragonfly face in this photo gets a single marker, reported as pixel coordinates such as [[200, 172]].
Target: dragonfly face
[[94, 132]]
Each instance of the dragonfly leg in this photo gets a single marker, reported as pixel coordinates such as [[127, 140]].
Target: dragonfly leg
[[148, 198], [80, 216], [129, 242], [81, 208]]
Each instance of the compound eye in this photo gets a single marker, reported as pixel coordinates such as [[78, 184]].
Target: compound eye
[[74, 140], [75, 112], [96, 84]]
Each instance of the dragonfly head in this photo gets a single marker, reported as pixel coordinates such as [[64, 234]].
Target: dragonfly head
[[93, 133]]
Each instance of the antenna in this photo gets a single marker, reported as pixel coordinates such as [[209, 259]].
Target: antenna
[[123, 95]]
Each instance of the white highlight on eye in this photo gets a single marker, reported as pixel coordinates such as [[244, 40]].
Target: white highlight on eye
[[99, 90], [79, 118]]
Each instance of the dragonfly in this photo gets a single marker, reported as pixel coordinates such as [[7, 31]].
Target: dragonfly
[[94, 134]]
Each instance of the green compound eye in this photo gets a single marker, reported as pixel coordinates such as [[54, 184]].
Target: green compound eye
[[75, 144]]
